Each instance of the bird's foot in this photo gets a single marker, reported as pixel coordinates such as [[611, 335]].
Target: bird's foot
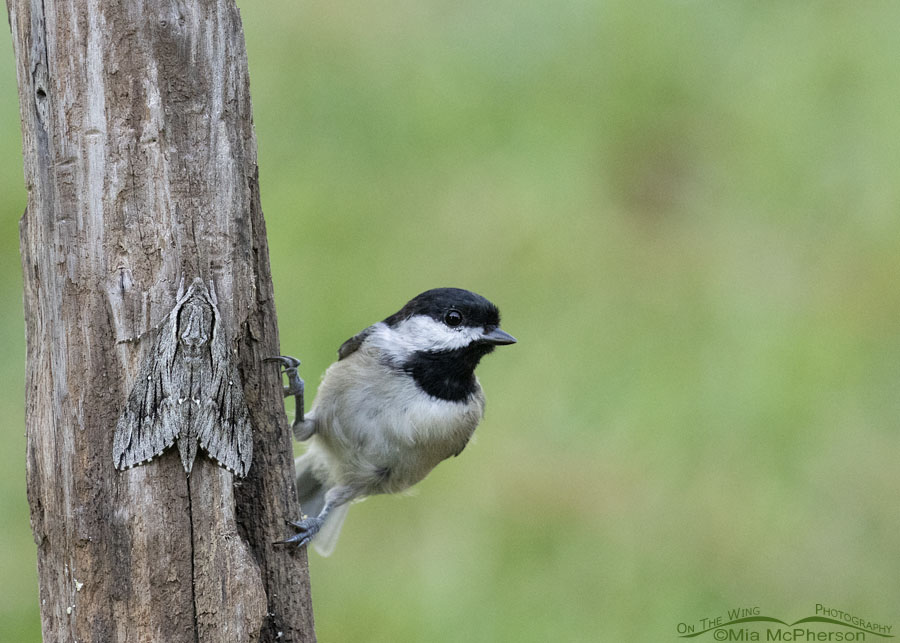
[[303, 428], [307, 528], [289, 365]]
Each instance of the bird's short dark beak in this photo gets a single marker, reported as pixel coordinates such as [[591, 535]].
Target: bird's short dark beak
[[498, 337]]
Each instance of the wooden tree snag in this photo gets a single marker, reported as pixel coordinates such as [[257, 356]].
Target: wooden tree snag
[[140, 166]]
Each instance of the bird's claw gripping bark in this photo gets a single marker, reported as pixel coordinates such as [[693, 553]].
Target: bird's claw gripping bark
[[295, 384], [289, 367], [306, 531]]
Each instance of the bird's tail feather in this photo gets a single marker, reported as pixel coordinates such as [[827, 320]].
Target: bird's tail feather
[[311, 494], [326, 540], [310, 490]]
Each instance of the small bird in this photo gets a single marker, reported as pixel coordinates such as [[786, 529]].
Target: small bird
[[402, 397]]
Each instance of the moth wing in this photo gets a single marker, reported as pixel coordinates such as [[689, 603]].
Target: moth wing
[[149, 422], [224, 429], [225, 432]]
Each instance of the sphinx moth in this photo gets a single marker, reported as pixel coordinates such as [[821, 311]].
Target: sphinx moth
[[188, 391]]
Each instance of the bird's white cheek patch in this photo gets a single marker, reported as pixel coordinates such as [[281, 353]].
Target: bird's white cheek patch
[[422, 333]]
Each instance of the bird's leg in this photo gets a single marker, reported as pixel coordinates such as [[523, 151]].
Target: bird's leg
[[308, 526], [303, 426], [295, 384]]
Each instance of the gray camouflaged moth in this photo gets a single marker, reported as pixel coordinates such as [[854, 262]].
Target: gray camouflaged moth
[[188, 390]]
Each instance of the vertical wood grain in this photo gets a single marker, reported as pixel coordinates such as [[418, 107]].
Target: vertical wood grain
[[140, 166]]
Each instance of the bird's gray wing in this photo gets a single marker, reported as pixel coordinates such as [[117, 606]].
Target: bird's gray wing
[[351, 345]]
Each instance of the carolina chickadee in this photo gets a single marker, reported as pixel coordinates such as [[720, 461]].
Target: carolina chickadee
[[402, 397]]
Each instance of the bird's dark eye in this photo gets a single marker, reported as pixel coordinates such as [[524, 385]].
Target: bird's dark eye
[[453, 317]]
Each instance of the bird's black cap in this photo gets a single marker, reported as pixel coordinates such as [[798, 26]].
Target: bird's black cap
[[436, 303]]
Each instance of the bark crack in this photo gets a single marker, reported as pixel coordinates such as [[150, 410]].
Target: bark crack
[[193, 570]]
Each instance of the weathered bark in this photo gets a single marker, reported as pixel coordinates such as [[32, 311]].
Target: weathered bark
[[140, 165]]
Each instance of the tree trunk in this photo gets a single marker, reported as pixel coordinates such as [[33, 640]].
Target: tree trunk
[[140, 165]]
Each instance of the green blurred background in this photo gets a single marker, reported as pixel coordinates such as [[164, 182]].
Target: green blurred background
[[687, 212]]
